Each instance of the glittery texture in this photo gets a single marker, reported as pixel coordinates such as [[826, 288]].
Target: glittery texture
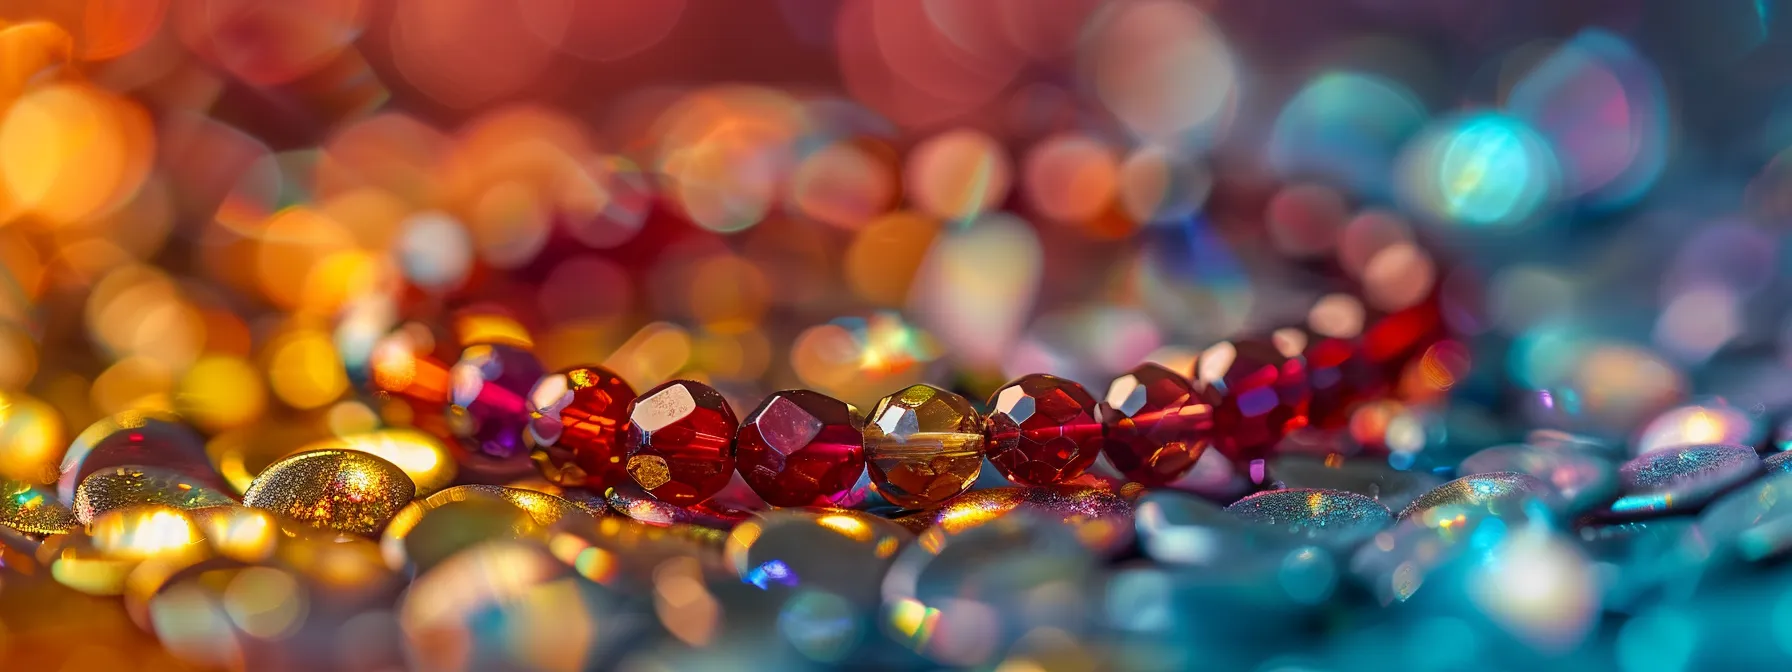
[[1332, 517], [343, 490], [136, 439], [924, 446], [430, 529], [801, 448], [1581, 480], [680, 442], [1497, 493], [575, 426], [1102, 519], [1682, 479], [1365, 476], [33, 509], [120, 487], [1042, 430], [1781, 462]]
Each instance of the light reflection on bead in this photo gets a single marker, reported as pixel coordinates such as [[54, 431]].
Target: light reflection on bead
[[98, 560], [33, 509], [1101, 519], [575, 427], [486, 411], [1372, 477], [1581, 480], [429, 530], [1499, 494], [1682, 479], [1181, 529], [839, 551], [136, 439], [1713, 422], [422, 457], [1331, 517], [635, 503], [121, 487], [924, 446], [680, 442], [1755, 521], [343, 490], [1539, 587]]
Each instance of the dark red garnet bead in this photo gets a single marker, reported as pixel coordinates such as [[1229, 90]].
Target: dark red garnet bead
[[680, 442], [1042, 430], [1263, 393], [575, 426], [802, 448], [1157, 424]]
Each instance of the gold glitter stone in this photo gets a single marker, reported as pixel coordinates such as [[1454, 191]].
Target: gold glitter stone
[[649, 470], [429, 530], [121, 487], [343, 490], [33, 509]]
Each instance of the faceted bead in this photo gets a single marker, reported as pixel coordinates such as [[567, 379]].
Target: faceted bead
[[576, 417], [137, 439], [1157, 425], [1042, 430], [801, 448], [924, 446], [1263, 394], [486, 411], [342, 490], [680, 441]]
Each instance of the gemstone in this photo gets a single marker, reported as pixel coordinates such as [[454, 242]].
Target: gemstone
[[841, 551], [486, 393], [1042, 430], [575, 423], [430, 529], [1497, 494], [1157, 425], [634, 503], [1342, 378], [136, 439], [1333, 518], [802, 448], [1263, 394], [680, 441], [1581, 479], [1682, 479], [342, 490], [121, 487], [33, 509], [924, 446]]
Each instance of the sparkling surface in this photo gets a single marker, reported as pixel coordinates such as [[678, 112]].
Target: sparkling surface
[[839, 551], [121, 487], [421, 456], [343, 490], [136, 439], [631, 501], [1329, 517], [1682, 479], [680, 442], [1157, 425], [1042, 430], [1101, 519], [1263, 394], [1503, 493], [487, 412], [924, 446], [1581, 480], [1372, 477], [33, 509], [576, 419], [1779, 462], [429, 530], [801, 448]]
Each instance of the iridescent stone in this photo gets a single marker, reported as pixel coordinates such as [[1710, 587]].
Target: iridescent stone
[[1498, 494], [1581, 480], [1157, 425], [575, 426], [1263, 394], [1394, 488], [1342, 377], [924, 446], [1101, 519], [137, 439], [680, 440], [1043, 430], [1779, 462], [342, 490], [487, 412], [1714, 422], [840, 551], [802, 448], [430, 529], [33, 509], [1682, 479], [121, 487], [1332, 518]]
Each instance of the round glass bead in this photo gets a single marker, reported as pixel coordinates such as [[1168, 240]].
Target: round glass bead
[[1330, 517], [924, 445], [342, 490], [801, 448], [576, 417], [680, 441], [1263, 394], [1157, 425], [1042, 430], [136, 439], [486, 411], [121, 487], [429, 530]]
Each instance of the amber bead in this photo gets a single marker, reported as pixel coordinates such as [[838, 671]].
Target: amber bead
[[924, 445]]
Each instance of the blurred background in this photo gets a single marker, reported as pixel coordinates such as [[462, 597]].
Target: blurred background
[[1565, 216]]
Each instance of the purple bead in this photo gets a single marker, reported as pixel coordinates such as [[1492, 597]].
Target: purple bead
[[487, 395]]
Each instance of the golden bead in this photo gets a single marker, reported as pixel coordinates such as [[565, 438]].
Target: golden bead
[[121, 487], [343, 490], [33, 509]]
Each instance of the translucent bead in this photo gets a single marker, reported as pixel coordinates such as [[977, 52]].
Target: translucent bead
[[1263, 394], [575, 427], [486, 411], [680, 440], [1043, 430], [1157, 425], [802, 448], [924, 446], [137, 439]]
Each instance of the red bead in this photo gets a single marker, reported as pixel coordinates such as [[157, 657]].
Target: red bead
[[1262, 390], [1157, 424], [1042, 430], [1342, 378], [576, 418], [801, 448], [680, 439]]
